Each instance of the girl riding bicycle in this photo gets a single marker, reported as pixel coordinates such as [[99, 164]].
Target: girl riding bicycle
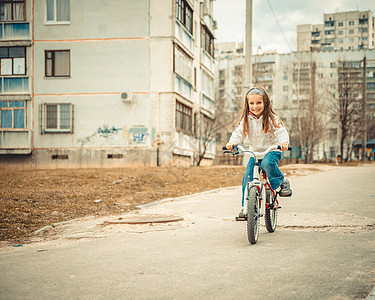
[[263, 128]]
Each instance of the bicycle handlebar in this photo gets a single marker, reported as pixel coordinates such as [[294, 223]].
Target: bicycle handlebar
[[237, 149]]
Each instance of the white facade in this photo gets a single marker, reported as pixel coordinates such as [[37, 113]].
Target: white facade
[[339, 31], [138, 81]]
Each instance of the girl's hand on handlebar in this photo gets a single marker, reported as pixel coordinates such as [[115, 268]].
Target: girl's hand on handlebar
[[284, 146], [229, 146]]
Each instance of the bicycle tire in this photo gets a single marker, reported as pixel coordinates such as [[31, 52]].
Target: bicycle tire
[[253, 216], [271, 214]]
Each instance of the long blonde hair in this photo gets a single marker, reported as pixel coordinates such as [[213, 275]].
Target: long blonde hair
[[268, 113]]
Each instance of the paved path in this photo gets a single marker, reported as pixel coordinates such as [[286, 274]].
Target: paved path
[[323, 249]]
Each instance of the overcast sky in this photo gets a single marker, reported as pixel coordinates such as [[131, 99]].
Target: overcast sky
[[230, 15]]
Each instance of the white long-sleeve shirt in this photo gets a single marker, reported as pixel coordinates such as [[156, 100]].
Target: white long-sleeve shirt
[[258, 140]]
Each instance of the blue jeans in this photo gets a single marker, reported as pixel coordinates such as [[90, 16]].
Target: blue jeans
[[269, 164]]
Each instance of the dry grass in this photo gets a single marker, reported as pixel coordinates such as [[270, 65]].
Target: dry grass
[[31, 199]]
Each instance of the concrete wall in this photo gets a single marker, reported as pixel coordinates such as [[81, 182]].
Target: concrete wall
[[115, 47]]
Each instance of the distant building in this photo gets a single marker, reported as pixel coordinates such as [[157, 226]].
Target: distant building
[[339, 31], [299, 83], [94, 83]]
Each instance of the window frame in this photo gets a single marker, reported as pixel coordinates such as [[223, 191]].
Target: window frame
[[184, 14], [54, 21], [58, 128], [13, 109], [183, 114], [12, 58], [53, 64], [11, 2], [207, 40]]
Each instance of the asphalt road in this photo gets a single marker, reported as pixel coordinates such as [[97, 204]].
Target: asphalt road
[[323, 248]]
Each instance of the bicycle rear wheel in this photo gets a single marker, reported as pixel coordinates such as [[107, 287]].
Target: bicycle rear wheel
[[253, 216], [271, 213]]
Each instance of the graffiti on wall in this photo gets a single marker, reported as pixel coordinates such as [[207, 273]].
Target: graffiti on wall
[[111, 136]]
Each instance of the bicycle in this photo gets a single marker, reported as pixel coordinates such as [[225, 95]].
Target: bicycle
[[259, 199]]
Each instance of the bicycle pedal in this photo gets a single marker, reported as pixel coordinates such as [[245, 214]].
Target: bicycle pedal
[[239, 219]]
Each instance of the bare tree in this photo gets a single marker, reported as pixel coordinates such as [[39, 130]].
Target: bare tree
[[310, 122], [346, 107]]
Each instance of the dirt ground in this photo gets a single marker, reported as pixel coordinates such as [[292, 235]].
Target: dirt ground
[[31, 199]]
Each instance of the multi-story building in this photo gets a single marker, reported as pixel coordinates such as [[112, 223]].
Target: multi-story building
[[303, 84], [16, 77], [105, 83], [339, 31]]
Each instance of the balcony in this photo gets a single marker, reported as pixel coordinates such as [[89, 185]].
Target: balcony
[[184, 36], [14, 85], [208, 61], [15, 32], [15, 141]]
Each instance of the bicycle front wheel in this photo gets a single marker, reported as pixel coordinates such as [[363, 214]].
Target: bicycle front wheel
[[253, 216], [271, 213]]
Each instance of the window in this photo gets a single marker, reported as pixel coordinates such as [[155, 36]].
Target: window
[[315, 33], [207, 41], [12, 10], [58, 11], [333, 65], [363, 29], [351, 23], [285, 88], [351, 31], [351, 40], [11, 85], [340, 24], [285, 77], [184, 14], [329, 41], [12, 114], [57, 63], [207, 127], [58, 117], [12, 61], [328, 32], [183, 64], [329, 23], [183, 118], [341, 32]]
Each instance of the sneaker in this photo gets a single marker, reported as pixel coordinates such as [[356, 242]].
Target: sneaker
[[285, 190], [241, 214]]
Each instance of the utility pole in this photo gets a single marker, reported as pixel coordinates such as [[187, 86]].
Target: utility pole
[[248, 43], [364, 121]]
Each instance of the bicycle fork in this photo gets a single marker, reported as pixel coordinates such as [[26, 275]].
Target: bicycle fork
[[261, 199]]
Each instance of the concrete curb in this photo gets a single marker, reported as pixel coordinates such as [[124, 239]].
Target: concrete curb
[[48, 227]]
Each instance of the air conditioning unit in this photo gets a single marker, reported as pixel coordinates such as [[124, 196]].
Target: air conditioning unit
[[127, 97]]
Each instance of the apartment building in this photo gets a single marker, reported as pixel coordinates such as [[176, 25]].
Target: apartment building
[[339, 31], [301, 83], [96, 83]]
